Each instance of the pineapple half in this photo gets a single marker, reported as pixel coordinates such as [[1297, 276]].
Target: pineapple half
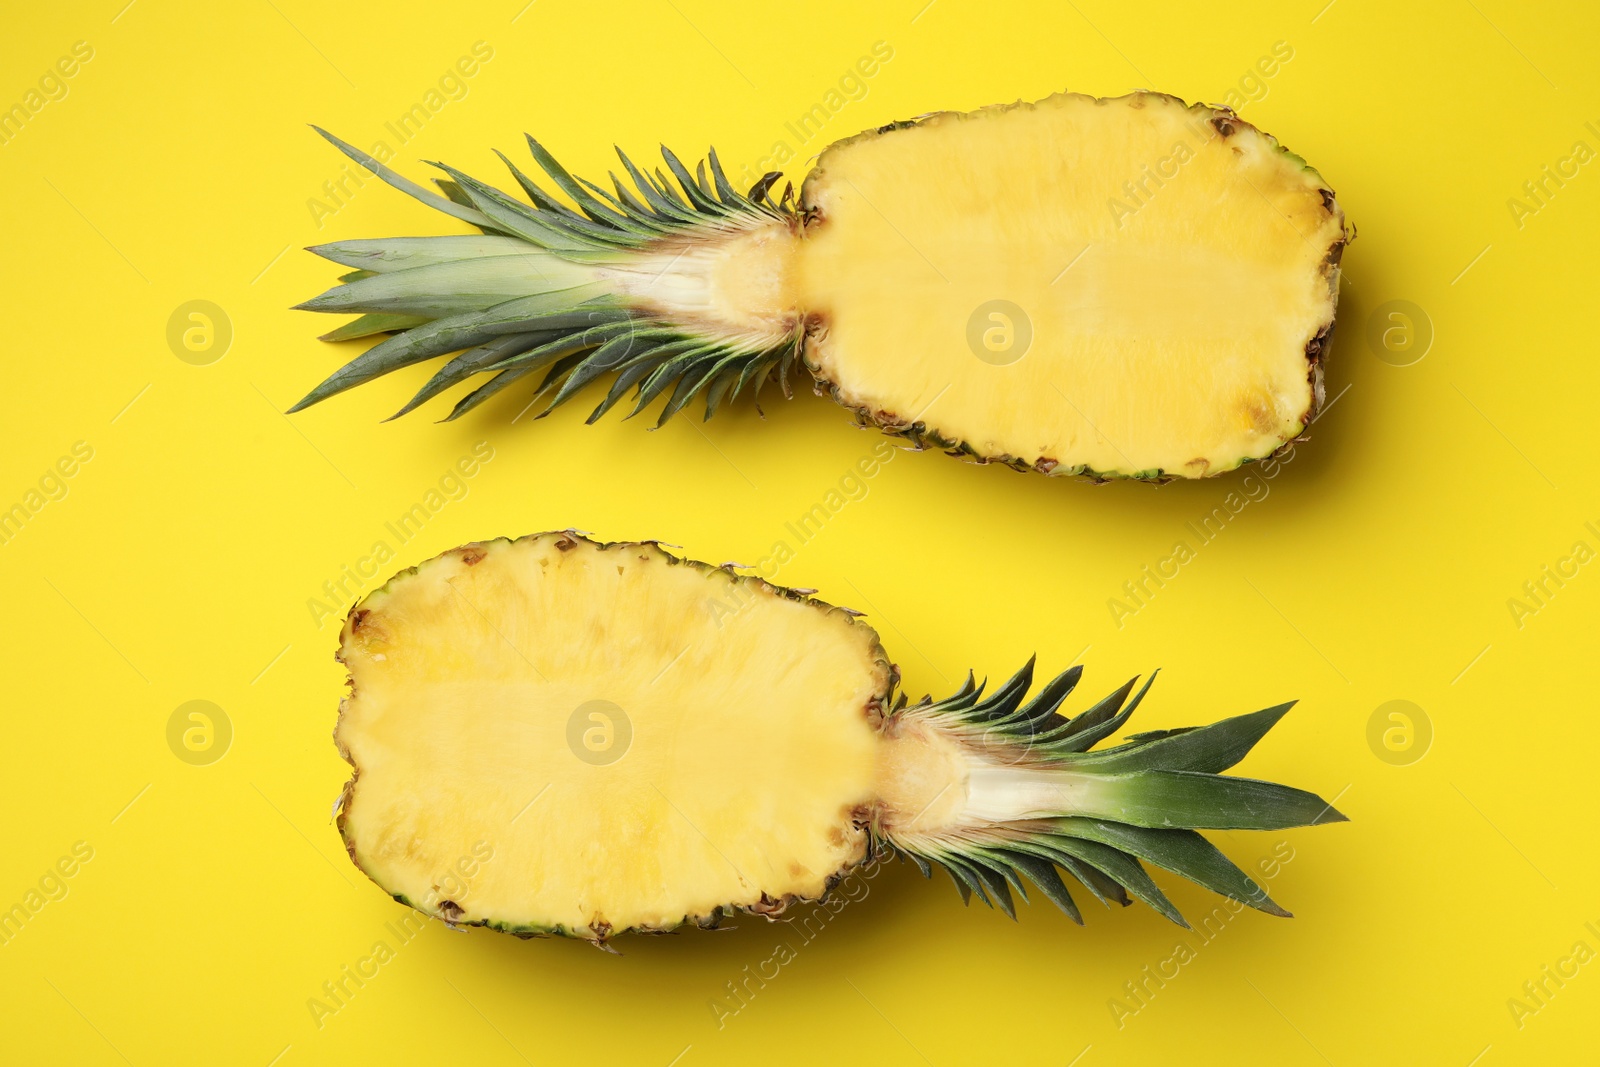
[[557, 736], [1130, 287]]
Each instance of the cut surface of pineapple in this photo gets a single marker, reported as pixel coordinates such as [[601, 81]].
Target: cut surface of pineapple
[[634, 741], [1128, 287], [1166, 273], [558, 736]]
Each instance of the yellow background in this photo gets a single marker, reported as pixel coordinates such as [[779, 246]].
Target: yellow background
[[179, 564]]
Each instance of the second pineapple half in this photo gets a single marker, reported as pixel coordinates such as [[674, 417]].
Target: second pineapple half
[[1128, 287], [558, 736]]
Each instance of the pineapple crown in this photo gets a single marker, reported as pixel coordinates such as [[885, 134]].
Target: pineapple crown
[[1141, 800], [532, 294]]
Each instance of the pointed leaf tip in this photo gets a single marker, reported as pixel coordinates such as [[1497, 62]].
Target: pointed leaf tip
[[1332, 814]]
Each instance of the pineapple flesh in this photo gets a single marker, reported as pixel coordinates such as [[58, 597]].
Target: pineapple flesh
[[1171, 264], [722, 738], [558, 736], [1127, 287]]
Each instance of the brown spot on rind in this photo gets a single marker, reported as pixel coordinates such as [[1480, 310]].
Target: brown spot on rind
[[1224, 125], [451, 910], [769, 907], [358, 617], [1330, 260], [471, 554], [1316, 355], [1317, 346], [566, 543]]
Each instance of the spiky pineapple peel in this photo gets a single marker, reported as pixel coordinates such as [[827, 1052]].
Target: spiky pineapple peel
[[555, 735], [1125, 287]]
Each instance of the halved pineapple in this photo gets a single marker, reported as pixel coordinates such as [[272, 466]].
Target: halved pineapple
[[1129, 287], [557, 736], [1153, 284]]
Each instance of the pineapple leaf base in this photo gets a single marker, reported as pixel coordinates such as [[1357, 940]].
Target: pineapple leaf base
[[1041, 800]]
